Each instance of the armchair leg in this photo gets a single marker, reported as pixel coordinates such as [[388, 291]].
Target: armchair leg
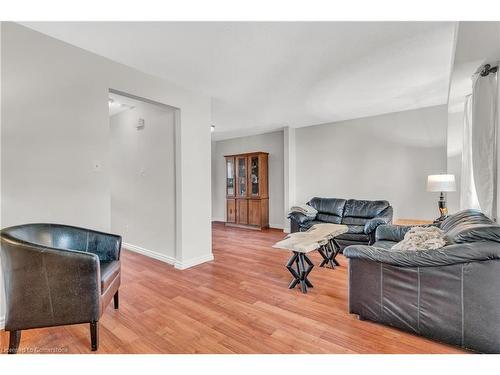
[[94, 335], [116, 300], [14, 340]]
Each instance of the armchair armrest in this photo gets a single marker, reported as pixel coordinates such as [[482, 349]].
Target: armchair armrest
[[299, 218], [448, 255], [105, 245], [385, 217]]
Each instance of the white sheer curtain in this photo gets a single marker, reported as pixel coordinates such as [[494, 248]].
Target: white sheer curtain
[[468, 195], [479, 161]]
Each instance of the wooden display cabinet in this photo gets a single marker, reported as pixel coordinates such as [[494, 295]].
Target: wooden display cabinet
[[247, 190]]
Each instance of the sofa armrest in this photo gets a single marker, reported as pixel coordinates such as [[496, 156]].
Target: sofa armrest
[[391, 232], [299, 218], [448, 255], [396, 233], [105, 245], [385, 217]]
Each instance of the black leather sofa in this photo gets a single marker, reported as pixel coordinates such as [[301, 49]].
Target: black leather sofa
[[57, 275], [450, 294], [361, 216]]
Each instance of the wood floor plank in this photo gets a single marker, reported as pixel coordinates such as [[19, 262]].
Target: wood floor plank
[[239, 303]]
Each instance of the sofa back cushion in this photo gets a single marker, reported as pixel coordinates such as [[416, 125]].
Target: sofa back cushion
[[358, 212], [329, 209], [470, 226]]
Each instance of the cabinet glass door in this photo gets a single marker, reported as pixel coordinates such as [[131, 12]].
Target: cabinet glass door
[[242, 176], [254, 175], [230, 176]]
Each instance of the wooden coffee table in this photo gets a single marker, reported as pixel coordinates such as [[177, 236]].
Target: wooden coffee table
[[319, 237]]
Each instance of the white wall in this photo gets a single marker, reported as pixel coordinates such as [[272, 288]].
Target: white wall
[[268, 142], [142, 165], [382, 157], [290, 169], [55, 124], [454, 155], [2, 292]]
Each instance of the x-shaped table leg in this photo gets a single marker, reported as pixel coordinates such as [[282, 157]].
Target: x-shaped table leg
[[328, 252], [300, 272]]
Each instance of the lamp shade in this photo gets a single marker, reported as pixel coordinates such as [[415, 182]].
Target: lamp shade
[[441, 182]]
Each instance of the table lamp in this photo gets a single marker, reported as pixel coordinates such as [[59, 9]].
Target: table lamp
[[441, 183]]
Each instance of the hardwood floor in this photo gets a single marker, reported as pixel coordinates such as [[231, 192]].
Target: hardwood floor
[[239, 303]]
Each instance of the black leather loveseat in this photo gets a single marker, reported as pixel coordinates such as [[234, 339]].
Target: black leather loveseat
[[361, 216], [449, 294]]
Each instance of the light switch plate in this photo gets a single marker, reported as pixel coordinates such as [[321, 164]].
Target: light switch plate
[[140, 124], [96, 166]]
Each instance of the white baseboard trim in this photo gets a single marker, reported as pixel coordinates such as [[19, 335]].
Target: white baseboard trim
[[182, 265], [2, 322], [276, 226], [149, 253], [168, 259]]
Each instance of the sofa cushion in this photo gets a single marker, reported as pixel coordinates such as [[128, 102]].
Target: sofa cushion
[[470, 226], [327, 218], [384, 244], [355, 220], [329, 206], [356, 229], [109, 271], [363, 208], [360, 237], [474, 233], [465, 217]]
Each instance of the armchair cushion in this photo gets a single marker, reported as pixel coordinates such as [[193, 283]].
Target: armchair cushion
[[109, 271]]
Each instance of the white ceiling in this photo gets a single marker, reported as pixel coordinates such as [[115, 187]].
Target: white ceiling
[[266, 75]]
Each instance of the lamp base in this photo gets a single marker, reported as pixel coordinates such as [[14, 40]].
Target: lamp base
[[443, 210]]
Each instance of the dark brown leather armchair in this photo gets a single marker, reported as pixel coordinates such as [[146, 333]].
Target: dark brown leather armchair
[[57, 275]]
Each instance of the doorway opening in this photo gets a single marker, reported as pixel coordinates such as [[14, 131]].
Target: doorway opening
[[142, 174]]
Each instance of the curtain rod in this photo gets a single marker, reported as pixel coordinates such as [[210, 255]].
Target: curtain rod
[[487, 69]]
